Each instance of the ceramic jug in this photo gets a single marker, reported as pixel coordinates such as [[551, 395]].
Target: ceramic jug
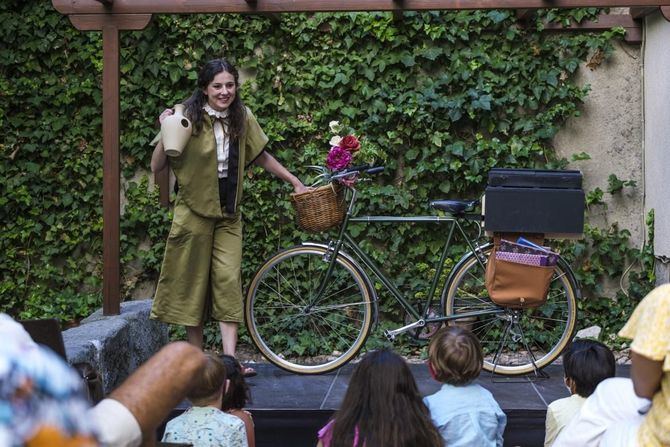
[[175, 132]]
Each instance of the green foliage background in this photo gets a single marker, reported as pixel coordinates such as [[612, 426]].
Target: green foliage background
[[445, 96]]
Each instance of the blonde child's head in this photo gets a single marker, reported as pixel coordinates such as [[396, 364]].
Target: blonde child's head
[[210, 384], [455, 356]]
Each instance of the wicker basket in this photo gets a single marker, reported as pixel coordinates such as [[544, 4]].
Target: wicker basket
[[319, 209]]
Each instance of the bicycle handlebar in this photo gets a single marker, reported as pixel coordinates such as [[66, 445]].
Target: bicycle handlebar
[[375, 170], [367, 169]]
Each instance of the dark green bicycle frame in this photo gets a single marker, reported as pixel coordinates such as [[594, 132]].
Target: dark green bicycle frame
[[421, 318]]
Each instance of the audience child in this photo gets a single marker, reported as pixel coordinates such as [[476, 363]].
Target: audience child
[[382, 407], [204, 424], [586, 363], [237, 395], [464, 412], [636, 411]]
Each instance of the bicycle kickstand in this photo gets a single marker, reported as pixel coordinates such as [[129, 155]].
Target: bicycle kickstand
[[539, 374]]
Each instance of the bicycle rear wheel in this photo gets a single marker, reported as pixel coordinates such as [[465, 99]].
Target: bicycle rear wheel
[[513, 340], [293, 327]]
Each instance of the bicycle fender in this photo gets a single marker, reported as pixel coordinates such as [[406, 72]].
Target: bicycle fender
[[571, 277], [366, 278]]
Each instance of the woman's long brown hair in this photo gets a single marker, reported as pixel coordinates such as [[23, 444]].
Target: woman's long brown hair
[[384, 404]]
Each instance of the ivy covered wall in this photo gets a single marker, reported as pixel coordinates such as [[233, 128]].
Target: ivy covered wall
[[444, 96]]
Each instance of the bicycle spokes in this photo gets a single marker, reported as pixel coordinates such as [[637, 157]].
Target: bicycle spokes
[[302, 322]]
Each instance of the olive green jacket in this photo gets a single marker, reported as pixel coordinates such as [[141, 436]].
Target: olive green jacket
[[196, 168]]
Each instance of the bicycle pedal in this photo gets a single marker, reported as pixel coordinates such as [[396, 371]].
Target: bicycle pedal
[[389, 336]]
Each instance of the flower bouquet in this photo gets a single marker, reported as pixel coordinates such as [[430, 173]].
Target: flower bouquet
[[342, 152], [323, 207]]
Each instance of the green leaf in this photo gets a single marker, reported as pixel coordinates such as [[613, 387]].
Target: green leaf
[[497, 16], [407, 60], [369, 74], [580, 156], [174, 76]]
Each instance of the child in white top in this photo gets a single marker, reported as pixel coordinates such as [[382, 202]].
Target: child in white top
[[586, 363]]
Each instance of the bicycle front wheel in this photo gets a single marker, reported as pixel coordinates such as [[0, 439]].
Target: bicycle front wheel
[[294, 326], [513, 340]]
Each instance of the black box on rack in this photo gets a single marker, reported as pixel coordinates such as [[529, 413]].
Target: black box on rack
[[535, 201]]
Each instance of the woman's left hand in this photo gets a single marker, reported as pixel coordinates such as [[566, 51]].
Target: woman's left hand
[[300, 188]]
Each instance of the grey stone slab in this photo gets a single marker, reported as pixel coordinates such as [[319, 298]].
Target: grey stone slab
[[278, 389], [554, 388], [116, 345], [274, 388], [339, 388], [513, 393], [623, 370]]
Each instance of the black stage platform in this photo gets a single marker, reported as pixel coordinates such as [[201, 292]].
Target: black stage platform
[[289, 409]]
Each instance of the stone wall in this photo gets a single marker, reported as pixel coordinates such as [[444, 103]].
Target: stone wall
[[610, 130]]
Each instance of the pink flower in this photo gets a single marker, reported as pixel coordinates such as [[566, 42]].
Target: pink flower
[[338, 158], [349, 180]]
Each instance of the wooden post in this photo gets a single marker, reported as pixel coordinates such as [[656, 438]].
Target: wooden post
[[111, 280], [110, 24]]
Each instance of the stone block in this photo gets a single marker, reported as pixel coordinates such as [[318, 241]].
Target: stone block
[[116, 345], [592, 332]]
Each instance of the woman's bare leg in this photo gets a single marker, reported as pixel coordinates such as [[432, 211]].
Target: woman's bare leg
[[228, 337]]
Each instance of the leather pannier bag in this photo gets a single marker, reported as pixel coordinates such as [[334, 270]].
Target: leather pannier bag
[[516, 285]]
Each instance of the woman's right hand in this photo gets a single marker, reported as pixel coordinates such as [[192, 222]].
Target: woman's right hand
[[165, 114]]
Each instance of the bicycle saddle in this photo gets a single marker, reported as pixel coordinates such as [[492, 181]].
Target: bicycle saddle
[[454, 206]]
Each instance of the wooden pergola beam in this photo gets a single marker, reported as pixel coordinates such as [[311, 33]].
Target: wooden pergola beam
[[632, 27], [280, 6], [640, 13], [524, 14]]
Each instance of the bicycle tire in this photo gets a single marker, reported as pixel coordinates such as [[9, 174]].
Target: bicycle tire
[[306, 338], [547, 329]]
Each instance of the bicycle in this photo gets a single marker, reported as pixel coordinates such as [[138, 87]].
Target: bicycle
[[310, 308]]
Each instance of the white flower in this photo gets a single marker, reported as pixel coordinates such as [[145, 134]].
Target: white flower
[[335, 127], [335, 141]]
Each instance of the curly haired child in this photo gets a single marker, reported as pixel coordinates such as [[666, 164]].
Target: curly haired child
[[464, 412]]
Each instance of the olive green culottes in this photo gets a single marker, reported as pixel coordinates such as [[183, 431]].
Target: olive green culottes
[[200, 275]]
